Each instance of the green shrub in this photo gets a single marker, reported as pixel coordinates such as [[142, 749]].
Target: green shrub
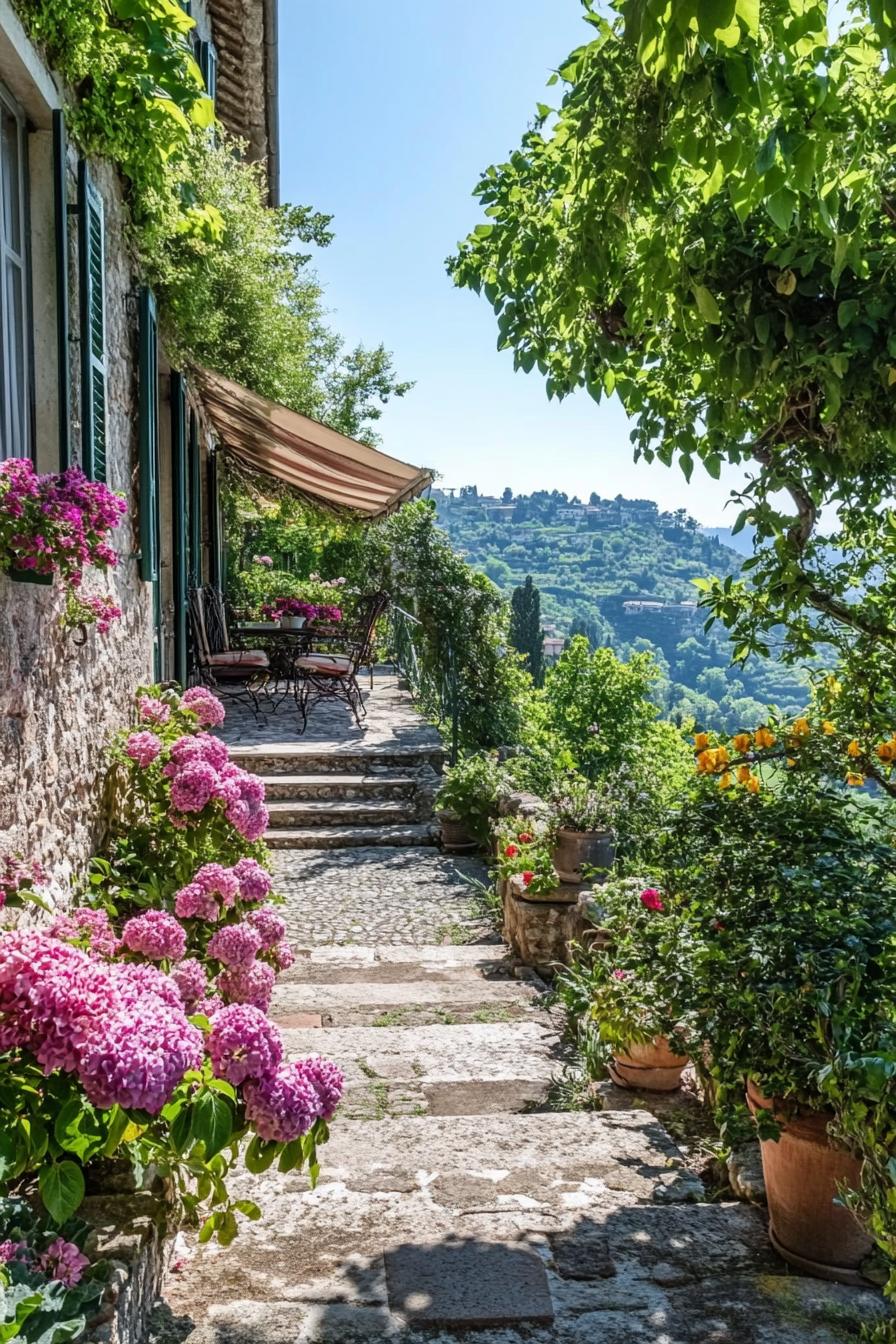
[[470, 793]]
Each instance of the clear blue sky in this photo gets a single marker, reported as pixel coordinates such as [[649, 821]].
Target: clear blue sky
[[389, 111]]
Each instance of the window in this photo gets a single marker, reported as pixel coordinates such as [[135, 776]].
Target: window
[[207, 59], [15, 297], [92, 257]]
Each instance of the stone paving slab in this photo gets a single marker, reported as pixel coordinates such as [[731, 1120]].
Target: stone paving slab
[[408, 1002], [651, 1269], [392, 721], [383, 965], [468, 1285], [379, 895], [477, 1068]]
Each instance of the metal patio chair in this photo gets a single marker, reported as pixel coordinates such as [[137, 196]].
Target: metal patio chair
[[332, 673], [232, 672]]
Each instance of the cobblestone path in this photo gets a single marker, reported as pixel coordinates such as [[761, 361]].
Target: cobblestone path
[[455, 1204]]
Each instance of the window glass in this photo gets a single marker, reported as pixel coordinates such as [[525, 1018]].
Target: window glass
[[15, 373]]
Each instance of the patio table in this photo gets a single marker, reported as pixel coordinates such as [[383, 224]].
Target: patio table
[[283, 646]]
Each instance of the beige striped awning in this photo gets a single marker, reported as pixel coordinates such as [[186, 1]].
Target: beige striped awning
[[320, 462]]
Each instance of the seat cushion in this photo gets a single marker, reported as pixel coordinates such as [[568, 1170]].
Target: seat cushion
[[332, 665], [239, 658]]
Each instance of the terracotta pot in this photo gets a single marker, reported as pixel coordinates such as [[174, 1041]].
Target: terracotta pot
[[803, 1172], [652, 1067], [456, 839], [574, 850]]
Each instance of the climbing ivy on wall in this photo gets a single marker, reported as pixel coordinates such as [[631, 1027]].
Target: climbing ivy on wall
[[232, 275]]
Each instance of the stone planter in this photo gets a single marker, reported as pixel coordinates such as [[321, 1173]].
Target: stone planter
[[803, 1174], [292, 622], [651, 1067], [540, 931], [576, 850], [456, 839]]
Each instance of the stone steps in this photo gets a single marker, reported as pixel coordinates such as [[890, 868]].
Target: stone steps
[[383, 965], [342, 837], [342, 787], [477, 1068], [407, 1003], [323, 758], [297, 815]]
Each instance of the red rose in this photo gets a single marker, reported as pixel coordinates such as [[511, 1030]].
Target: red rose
[[511, 852], [651, 898], [527, 878], [524, 838]]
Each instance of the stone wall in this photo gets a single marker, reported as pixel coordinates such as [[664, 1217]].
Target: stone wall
[[59, 704]]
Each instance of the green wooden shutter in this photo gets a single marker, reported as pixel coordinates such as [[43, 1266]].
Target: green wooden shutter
[[63, 361], [93, 327], [215, 563], [149, 438], [179, 521], [195, 465]]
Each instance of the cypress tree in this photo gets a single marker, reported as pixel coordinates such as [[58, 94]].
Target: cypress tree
[[526, 633]]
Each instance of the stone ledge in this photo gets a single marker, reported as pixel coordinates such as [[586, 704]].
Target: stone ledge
[[134, 1233]]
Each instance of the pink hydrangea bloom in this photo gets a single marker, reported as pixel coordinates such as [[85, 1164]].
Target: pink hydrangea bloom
[[155, 934], [216, 880], [255, 881], [328, 1081], [134, 979], [193, 787], [191, 902], [270, 926], [14, 1250], [86, 926], [207, 707], [283, 1105], [235, 945], [143, 748], [208, 1006], [619, 974], [189, 976], [135, 1058], [243, 1044], [282, 956], [153, 710], [63, 1261], [17, 875], [252, 983]]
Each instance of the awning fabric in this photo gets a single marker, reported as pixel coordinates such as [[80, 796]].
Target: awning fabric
[[320, 462]]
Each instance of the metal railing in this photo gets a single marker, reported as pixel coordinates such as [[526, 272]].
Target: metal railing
[[436, 688]]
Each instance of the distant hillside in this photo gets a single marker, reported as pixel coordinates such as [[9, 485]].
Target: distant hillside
[[621, 571], [742, 541]]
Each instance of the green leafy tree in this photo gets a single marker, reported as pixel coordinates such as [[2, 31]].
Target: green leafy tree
[[526, 633], [707, 228]]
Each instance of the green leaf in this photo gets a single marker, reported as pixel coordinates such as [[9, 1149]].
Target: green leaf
[[748, 13], [714, 182], [706, 305], [291, 1156], [61, 1187], [846, 311], [780, 207], [212, 1121], [713, 15], [78, 1129], [249, 1209], [259, 1155]]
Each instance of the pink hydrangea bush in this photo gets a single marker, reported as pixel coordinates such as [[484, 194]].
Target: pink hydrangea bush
[[20, 881]]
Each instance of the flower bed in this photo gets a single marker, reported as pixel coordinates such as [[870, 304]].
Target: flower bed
[[135, 1025]]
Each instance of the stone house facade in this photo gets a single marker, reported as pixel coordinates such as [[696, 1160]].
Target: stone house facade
[[121, 412]]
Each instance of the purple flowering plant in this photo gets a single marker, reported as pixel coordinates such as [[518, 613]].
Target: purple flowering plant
[[48, 1289]]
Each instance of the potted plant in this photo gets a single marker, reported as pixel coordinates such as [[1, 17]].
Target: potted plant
[[524, 865], [466, 803], [53, 525], [788, 897], [624, 993], [291, 612], [583, 835]]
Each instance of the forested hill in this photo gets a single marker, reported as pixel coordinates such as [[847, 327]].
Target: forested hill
[[620, 571]]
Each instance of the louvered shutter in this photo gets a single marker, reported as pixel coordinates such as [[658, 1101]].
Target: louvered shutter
[[60, 216], [179, 522], [92, 248], [194, 459], [149, 438]]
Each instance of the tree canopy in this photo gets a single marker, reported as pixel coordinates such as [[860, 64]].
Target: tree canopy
[[707, 227]]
